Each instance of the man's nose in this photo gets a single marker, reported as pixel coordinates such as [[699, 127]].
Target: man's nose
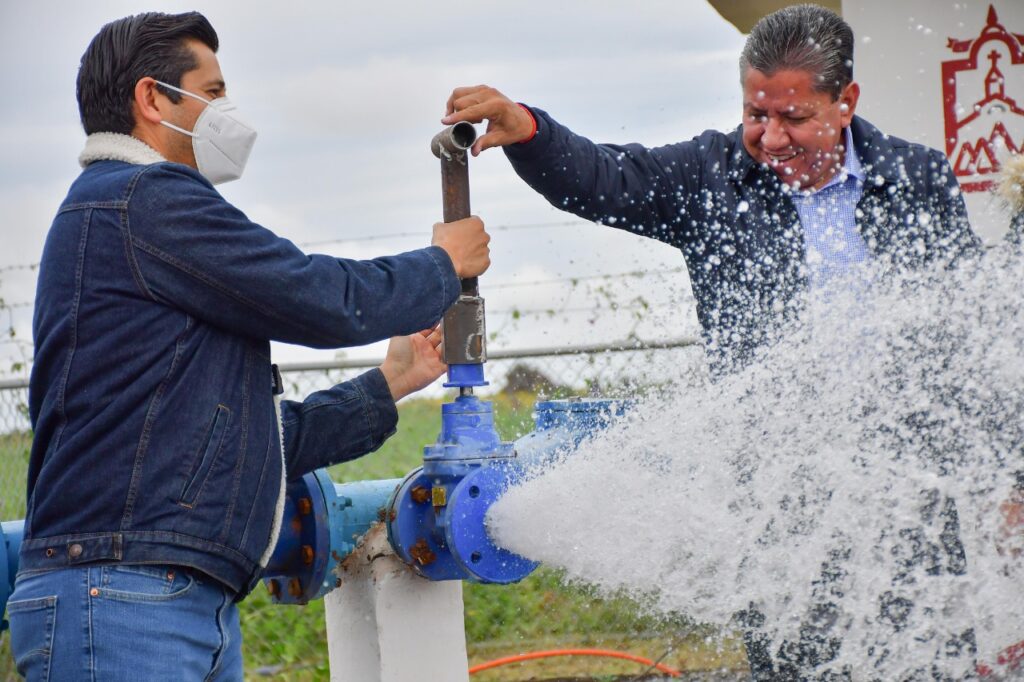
[[774, 137]]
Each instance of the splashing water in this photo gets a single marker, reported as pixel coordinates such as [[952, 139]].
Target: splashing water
[[850, 487]]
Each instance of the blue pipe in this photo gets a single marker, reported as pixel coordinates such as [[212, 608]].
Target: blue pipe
[[11, 533], [322, 524]]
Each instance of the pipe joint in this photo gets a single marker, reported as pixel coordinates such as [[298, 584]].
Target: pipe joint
[[451, 143]]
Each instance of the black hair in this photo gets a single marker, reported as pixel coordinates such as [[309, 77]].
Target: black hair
[[124, 51], [802, 38]]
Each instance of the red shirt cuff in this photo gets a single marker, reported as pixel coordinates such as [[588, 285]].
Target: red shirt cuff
[[533, 120]]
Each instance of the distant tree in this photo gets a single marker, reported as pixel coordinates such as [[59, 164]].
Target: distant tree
[[524, 378]]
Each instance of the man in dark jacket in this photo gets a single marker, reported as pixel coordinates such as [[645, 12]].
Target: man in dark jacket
[[741, 206], [801, 194], [157, 473]]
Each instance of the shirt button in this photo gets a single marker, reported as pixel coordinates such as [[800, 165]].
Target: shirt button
[[75, 551]]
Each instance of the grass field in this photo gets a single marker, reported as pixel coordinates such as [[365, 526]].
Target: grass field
[[539, 613]]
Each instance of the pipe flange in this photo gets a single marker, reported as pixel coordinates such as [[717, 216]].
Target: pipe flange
[[468, 539]]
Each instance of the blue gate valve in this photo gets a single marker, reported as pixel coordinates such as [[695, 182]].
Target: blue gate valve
[[436, 522]]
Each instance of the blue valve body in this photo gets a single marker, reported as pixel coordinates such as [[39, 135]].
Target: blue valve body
[[437, 522], [437, 518]]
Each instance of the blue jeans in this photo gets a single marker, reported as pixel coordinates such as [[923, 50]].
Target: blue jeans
[[124, 622]]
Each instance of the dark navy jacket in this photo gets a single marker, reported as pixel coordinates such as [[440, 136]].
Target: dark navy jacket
[[151, 393], [734, 221]]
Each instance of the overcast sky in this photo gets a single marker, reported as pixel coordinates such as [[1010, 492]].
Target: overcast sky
[[346, 97]]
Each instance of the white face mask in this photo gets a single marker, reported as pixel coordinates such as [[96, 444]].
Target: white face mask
[[221, 141]]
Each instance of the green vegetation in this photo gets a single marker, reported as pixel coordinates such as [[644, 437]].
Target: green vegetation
[[14, 452]]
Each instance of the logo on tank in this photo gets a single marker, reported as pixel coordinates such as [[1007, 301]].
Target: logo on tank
[[983, 102]]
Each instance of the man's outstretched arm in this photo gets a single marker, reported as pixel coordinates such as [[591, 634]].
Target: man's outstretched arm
[[193, 250], [355, 417], [626, 186]]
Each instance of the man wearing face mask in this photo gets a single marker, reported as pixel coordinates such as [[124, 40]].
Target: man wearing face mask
[[157, 473]]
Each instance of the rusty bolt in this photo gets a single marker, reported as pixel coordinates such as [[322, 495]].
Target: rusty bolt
[[305, 506], [420, 494], [274, 588], [307, 554], [421, 553], [295, 588]]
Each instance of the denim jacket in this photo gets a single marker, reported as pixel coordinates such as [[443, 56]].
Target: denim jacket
[[735, 222], [151, 394]]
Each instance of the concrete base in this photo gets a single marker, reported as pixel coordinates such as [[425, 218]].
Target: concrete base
[[387, 624]]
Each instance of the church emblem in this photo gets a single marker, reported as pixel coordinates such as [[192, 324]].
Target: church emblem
[[983, 103]]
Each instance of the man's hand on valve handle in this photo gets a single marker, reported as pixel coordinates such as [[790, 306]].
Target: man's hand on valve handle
[[413, 362], [466, 242]]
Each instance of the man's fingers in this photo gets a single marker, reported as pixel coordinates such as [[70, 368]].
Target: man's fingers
[[474, 113], [458, 105], [492, 139], [458, 93]]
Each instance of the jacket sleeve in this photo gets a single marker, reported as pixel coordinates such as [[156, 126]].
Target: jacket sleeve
[[628, 186], [191, 249], [341, 423]]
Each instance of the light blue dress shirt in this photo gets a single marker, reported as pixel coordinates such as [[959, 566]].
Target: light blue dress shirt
[[832, 245]]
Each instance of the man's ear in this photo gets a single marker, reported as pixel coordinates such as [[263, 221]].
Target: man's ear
[[145, 104], [848, 103]]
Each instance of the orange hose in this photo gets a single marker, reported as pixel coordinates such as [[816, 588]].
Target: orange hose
[[573, 652]]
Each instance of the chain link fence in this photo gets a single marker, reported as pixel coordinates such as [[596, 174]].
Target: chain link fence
[[288, 642]]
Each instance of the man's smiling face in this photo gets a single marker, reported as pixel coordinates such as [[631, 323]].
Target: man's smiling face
[[794, 129]]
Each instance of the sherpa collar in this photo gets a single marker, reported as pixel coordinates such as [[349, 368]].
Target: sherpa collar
[[117, 147]]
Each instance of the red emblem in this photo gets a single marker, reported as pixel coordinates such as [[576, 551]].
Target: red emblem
[[980, 92]]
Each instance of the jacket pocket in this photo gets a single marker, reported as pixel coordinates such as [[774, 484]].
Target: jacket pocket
[[32, 625], [206, 457]]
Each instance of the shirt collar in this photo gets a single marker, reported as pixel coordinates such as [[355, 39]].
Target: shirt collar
[[851, 162], [852, 168]]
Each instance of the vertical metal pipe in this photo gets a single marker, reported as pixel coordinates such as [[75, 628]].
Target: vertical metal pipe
[[451, 145], [464, 331]]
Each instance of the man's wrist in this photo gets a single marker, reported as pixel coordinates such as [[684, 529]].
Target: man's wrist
[[393, 379], [533, 123]]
